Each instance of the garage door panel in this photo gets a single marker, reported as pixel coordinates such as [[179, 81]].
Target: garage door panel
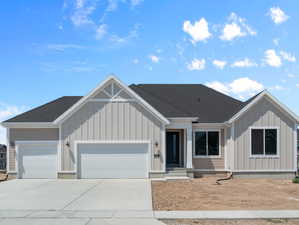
[[38, 161], [113, 160]]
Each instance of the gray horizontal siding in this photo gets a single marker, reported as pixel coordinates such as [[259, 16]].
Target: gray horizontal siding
[[110, 121], [264, 114]]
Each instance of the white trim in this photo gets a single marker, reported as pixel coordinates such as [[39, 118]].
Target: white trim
[[207, 130], [232, 145], [225, 148], [29, 125], [295, 147], [277, 155], [67, 171], [18, 143], [60, 149], [149, 153], [271, 97], [110, 100], [262, 171], [163, 147], [7, 150], [183, 119], [36, 142], [109, 79], [209, 125], [210, 170]]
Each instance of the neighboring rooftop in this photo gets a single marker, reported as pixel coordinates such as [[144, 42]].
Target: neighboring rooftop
[[171, 100]]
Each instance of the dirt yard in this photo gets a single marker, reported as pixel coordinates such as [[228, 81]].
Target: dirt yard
[[237, 194], [231, 222]]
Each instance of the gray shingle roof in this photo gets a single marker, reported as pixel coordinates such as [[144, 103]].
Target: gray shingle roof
[[171, 100], [47, 112]]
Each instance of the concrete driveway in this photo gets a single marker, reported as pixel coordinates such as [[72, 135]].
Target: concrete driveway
[[75, 195], [76, 202]]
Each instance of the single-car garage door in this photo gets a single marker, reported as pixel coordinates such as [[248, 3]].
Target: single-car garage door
[[37, 160], [113, 160]]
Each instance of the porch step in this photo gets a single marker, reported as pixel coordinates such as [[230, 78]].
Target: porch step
[[176, 172]]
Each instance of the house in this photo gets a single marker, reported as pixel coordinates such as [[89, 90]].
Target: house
[[153, 130], [2, 157]]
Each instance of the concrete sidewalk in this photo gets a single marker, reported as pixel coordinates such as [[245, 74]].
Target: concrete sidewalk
[[233, 214]]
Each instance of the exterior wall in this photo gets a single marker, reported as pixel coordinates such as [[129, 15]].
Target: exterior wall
[[111, 121], [209, 163], [28, 134], [264, 114]]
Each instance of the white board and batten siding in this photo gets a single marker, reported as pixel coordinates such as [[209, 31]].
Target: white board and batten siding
[[264, 114], [111, 121]]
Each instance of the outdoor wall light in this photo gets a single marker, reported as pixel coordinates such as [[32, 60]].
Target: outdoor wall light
[[67, 144]]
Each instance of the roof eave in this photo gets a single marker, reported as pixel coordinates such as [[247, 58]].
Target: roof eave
[[29, 125]]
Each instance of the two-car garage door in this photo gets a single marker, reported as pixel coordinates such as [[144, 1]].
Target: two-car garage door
[[113, 160], [94, 160]]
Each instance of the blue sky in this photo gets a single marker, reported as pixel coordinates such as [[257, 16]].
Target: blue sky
[[55, 48]]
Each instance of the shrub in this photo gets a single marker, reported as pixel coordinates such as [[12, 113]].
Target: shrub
[[296, 180]]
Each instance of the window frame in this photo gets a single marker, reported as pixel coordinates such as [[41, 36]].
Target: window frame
[[277, 155], [207, 155]]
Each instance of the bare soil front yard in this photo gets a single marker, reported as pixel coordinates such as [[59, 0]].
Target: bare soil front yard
[[232, 222], [237, 194]]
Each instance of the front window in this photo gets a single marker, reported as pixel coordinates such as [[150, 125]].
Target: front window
[[206, 143], [263, 142]]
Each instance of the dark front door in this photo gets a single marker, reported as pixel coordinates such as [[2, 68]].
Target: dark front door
[[172, 148]]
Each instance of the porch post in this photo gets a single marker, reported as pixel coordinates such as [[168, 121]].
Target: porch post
[[189, 148]]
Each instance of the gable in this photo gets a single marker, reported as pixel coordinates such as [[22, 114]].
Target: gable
[[271, 100], [111, 90]]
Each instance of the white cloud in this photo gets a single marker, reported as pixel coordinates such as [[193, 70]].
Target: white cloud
[[244, 63], [101, 31], [271, 58], [6, 112], [277, 15], [297, 85], [291, 75], [123, 40], [80, 3], [218, 86], [199, 31], [277, 88], [196, 64], [63, 47], [235, 28], [154, 58], [242, 87], [135, 2], [276, 41], [135, 61], [81, 16], [219, 63], [288, 56]]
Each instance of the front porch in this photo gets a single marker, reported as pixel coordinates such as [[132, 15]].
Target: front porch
[[184, 157], [178, 146]]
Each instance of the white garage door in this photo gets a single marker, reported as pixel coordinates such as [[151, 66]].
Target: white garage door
[[37, 160], [117, 160]]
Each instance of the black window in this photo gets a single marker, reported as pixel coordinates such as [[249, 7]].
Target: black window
[[200, 143], [207, 143], [257, 141], [264, 141]]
